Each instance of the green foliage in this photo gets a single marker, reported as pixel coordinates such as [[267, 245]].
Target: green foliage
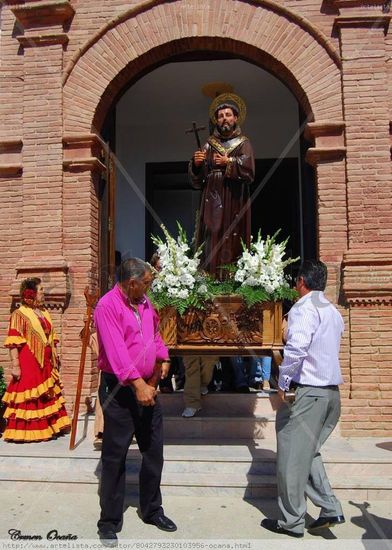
[[285, 293], [251, 295], [3, 385], [161, 300], [218, 288], [254, 295]]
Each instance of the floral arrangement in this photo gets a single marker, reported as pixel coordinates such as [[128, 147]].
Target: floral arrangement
[[257, 277], [178, 283], [260, 271]]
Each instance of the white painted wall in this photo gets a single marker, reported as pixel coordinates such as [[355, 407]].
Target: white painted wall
[[153, 114]]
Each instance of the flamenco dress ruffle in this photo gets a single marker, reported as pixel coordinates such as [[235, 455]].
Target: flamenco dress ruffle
[[35, 404]]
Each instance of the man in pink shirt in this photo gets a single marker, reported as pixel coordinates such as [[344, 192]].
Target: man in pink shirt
[[129, 347]]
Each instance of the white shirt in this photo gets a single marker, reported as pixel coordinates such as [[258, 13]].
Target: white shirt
[[311, 354]]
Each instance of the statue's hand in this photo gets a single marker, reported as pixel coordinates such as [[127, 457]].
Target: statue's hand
[[221, 160], [199, 157]]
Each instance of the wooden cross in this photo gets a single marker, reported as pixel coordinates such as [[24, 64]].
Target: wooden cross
[[196, 131]]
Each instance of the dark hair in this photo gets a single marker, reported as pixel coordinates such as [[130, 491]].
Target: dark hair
[[133, 268], [29, 284], [155, 259], [314, 274], [231, 106]]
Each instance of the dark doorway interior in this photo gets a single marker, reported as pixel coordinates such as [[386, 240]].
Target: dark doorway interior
[[170, 198], [278, 199], [106, 196]]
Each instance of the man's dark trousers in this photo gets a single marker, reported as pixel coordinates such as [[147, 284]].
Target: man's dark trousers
[[124, 417]]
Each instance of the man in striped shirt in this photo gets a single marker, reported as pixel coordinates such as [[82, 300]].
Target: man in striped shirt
[[310, 368]]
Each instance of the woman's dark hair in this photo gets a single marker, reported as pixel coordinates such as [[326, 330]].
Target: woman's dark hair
[[314, 274], [154, 259], [133, 268], [29, 284]]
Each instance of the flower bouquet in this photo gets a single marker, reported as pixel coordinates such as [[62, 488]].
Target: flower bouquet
[[260, 271], [178, 284], [244, 309]]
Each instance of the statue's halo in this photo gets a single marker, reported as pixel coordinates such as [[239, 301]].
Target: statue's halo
[[228, 98]]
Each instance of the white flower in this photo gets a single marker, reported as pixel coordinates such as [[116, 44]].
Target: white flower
[[187, 279], [178, 270], [184, 293], [262, 265], [202, 289]]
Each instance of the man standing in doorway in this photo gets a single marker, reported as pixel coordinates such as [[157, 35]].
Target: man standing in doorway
[[224, 169], [311, 368], [129, 348]]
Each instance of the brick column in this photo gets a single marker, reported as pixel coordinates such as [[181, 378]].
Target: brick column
[[11, 144], [82, 183], [34, 155], [367, 264], [40, 33], [327, 155], [365, 85]]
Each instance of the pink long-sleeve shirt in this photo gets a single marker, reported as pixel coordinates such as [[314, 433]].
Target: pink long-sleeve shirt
[[129, 344]]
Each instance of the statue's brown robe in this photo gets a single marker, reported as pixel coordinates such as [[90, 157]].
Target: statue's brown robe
[[225, 210]]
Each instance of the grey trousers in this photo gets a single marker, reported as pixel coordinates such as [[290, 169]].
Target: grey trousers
[[301, 429]]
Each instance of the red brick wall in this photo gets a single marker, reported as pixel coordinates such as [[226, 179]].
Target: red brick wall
[[61, 90], [81, 250], [369, 411], [293, 44], [11, 213]]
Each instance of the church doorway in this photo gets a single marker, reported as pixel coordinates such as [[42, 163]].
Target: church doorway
[[146, 132]]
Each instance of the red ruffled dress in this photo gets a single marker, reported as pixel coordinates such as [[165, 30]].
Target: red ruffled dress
[[35, 404]]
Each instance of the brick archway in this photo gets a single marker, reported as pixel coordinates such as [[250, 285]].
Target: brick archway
[[136, 42], [50, 146], [145, 37]]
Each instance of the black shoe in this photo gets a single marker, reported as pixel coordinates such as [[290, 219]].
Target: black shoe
[[108, 538], [162, 522], [323, 523], [272, 525]]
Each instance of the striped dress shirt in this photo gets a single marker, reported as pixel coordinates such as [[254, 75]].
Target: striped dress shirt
[[311, 354]]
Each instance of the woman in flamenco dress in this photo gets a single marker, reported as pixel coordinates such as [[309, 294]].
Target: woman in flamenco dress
[[35, 404]]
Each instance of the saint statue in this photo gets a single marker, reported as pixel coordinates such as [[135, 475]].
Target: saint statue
[[224, 169]]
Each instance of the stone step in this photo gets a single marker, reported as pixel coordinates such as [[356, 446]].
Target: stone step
[[180, 479], [358, 468], [230, 415], [244, 468], [84, 469], [224, 404], [209, 428]]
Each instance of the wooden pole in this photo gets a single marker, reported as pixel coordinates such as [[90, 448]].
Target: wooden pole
[[91, 300]]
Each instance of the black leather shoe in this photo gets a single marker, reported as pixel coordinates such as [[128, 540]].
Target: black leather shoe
[[323, 523], [273, 525], [108, 538], [162, 522]]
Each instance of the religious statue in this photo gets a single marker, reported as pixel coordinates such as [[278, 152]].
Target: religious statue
[[224, 169]]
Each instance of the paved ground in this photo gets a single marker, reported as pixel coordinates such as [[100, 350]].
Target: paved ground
[[210, 522]]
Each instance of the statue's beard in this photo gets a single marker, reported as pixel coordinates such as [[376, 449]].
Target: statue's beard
[[226, 128]]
